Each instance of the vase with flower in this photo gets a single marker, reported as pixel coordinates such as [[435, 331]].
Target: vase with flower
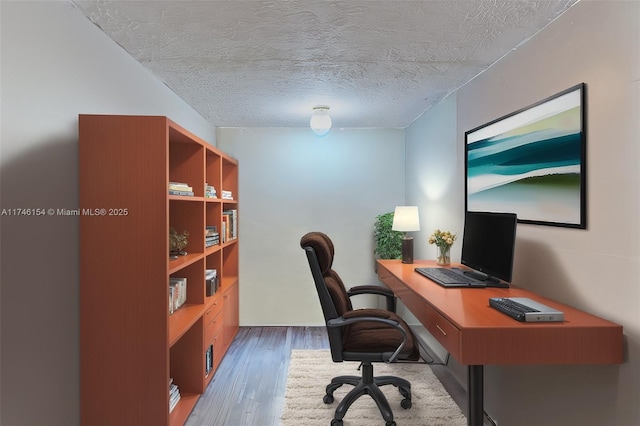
[[443, 241]]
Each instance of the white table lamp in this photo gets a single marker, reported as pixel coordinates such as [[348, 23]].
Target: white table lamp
[[406, 219]]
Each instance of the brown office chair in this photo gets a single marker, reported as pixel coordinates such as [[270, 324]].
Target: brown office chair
[[364, 335]]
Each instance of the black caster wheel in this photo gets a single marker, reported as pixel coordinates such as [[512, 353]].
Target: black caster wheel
[[328, 399], [391, 423], [336, 422], [405, 403]]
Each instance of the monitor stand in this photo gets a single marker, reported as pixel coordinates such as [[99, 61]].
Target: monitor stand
[[487, 279]]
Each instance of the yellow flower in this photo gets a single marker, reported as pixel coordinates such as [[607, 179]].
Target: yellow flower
[[442, 238]]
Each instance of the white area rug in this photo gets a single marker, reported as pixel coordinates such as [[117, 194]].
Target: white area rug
[[310, 371]]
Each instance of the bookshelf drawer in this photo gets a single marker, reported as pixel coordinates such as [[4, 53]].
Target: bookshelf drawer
[[213, 311], [218, 348], [212, 329]]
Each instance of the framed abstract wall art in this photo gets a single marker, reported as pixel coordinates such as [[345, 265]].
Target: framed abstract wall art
[[532, 162]]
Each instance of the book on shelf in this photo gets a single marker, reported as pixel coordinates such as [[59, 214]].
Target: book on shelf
[[182, 288], [227, 195], [225, 226], [230, 225], [174, 395], [211, 236], [209, 191], [174, 301], [180, 188], [208, 360], [211, 273], [211, 280], [179, 292], [172, 290], [187, 193]]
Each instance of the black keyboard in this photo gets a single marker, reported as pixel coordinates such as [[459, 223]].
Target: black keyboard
[[447, 277], [514, 309]]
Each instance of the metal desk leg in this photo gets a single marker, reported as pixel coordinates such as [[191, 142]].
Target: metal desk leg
[[475, 395]]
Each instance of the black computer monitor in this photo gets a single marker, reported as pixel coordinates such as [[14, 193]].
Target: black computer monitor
[[488, 245]]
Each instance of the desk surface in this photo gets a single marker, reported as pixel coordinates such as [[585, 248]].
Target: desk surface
[[476, 334]]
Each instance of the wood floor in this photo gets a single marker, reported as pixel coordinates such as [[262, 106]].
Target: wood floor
[[248, 387]]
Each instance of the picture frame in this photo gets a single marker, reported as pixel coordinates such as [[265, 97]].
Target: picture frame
[[532, 162]]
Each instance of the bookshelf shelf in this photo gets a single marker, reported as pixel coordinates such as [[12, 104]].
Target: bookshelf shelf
[[182, 320], [180, 414], [183, 261], [186, 198], [131, 347]]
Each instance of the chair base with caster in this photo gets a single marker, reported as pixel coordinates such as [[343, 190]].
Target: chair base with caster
[[370, 385]]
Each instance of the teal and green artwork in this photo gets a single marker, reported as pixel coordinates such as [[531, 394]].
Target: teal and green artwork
[[532, 162]]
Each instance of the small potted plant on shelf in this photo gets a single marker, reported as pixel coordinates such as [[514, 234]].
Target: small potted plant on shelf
[[388, 242], [177, 243]]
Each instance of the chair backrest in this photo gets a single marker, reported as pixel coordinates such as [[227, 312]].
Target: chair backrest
[[331, 291]]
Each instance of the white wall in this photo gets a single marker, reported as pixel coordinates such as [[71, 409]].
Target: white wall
[[293, 182], [596, 42], [433, 177], [55, 65]]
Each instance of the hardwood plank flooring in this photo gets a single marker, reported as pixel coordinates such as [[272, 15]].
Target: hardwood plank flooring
[[248, 386]]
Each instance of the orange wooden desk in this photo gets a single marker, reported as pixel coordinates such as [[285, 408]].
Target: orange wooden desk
[[477, 335]]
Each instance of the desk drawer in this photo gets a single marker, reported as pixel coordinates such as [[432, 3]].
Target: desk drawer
[[412, 301], [416, 305], [387, 278], [445, 332]]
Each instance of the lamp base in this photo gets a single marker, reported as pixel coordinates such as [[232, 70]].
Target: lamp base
[[407, 249]]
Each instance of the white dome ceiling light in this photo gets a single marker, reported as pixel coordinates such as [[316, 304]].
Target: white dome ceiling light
[[320, 121]]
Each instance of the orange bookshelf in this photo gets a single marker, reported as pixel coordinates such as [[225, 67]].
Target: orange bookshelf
[[131, 347]]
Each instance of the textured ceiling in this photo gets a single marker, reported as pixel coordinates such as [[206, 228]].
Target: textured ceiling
[[376, 63]]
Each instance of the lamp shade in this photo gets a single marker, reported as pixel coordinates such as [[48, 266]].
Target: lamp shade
[[320, 121], [406, 219]]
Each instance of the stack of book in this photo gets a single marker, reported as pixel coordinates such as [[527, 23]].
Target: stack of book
[[180, 188], [227, 195], [174, 395], [177, 293], [208, 360], [211, 279], [229, 225], [209, 191], [211, 236]]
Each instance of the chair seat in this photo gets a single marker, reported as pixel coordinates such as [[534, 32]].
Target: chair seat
[[375, 337]]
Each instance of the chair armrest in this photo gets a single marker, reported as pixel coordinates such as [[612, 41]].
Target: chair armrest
[[375, 289], [342, 321], [367, 312]]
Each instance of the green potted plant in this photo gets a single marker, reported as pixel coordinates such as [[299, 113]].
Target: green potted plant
[[388, 242]]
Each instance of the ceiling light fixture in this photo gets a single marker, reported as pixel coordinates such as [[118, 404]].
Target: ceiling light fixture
[[320, 121]]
